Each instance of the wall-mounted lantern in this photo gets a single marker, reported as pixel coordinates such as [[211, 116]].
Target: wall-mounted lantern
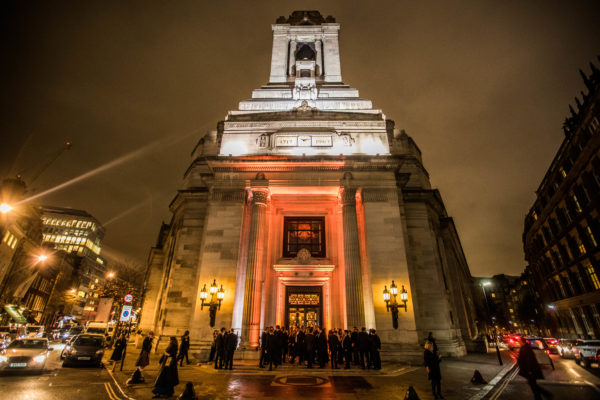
[[391, 302], [216, 297]]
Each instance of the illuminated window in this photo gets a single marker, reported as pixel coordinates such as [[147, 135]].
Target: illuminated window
[[591, 236], [510, 310], [562, 172], [303, 232], [581, 248], [576, 202], [81, 293], [593, 277], [303, 299], [493, 295]]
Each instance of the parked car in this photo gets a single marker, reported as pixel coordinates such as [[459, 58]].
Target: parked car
[[541, 350], [84, 349], [565, 347], [552, 345], [512, 341], [585, 352], [25, 354]]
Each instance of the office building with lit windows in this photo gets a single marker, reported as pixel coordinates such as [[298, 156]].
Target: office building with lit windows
[[305, 205], [562, 229], [80, 235]]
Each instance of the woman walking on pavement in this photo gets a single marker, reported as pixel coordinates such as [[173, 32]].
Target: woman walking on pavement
[[119, 351], [168, 377], [142, 361], [432, 364]]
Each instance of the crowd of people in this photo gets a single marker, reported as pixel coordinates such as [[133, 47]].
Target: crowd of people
[[305, 345]]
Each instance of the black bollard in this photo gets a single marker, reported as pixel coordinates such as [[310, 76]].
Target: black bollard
[[188, 393], [411, 394]]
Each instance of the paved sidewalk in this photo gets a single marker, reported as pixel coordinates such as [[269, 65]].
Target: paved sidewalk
[[247, 381]]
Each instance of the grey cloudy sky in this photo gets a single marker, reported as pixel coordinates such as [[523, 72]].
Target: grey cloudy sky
[[482, 86]]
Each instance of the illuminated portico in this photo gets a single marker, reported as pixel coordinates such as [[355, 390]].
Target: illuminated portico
[[305, 202]]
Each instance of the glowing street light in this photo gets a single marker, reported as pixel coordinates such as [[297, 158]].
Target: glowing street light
[[215, 303], [42, 257], [4, 208], [389, 296]]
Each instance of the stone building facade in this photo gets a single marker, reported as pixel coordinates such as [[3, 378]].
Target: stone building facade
[[562, 228], [304, 204]]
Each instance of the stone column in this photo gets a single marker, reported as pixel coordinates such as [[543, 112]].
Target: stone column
[[355, 310], [252, 291], [292, 62], [279, 54], [331, 53], [319, 57]]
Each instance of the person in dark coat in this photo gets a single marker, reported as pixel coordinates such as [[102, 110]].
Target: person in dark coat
[[272, 348], [340, 350], [213, 346], [431, 339], [300, 348], [264, 338], [231, 341], [334, 344], [184, 348], [309, 346], [363, 348], [347, 347], [285, 337], [220, 349], [530, 370], [354, 340], [375, 343], [434, 374], [277, 345], [168, 377], [143, 360], [119, 351], [322, 348]]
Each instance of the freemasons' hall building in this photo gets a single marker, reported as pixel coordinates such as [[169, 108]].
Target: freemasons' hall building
[[303, 206]]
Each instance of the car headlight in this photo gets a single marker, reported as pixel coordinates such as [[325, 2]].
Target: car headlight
[[3, 359], [39, 359]]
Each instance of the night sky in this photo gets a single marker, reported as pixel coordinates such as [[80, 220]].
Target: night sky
[[482, 87]]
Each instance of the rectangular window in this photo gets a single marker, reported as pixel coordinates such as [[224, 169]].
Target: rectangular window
[[304, 232], [591, 236], [593, 277]]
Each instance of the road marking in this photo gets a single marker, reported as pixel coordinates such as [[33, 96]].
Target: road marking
[[486, 389], [110, 391], [118, 386], [504, 384]]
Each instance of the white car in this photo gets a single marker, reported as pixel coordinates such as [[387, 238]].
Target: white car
[[585, 351], [25, 354]]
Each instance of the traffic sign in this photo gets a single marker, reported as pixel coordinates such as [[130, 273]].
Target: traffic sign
[[128, 298], [125, 314]]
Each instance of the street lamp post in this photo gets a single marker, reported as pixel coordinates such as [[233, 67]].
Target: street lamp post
[[494, 333], [216, 297], [391, 303]]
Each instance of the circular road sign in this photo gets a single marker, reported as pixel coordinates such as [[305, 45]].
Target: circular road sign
[[128, 298]]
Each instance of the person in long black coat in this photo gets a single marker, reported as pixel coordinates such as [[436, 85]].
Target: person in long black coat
[[231, 341], [272, 348], [347, 347], [354, 340], [363, 348], [434, 374], [184, 348], [375, 348], [334, 344], [309, 346], [530, 370], [322, 348], [340, 350], [168, 377], [220, 349], [264, 338], [300, 348], [119, 350]]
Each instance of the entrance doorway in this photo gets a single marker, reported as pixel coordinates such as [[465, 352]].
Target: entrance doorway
[[303, 306]]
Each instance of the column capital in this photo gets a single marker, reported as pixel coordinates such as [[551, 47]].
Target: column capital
[[260, 195], [347, 195]]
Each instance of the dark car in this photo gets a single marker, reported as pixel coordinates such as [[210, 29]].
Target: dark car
[[71, 333], [85, 349]]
